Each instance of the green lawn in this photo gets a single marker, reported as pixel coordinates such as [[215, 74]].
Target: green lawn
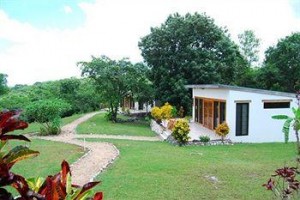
[[99, 125], [158, 170], [35, 127], [49, 160]]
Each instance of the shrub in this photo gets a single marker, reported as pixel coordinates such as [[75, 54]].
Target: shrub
[[181, 112], [156, 113], [52, 188], [174, 111], [166, 111], [204, 138], [222, 130], [47, 113], [181, 131]]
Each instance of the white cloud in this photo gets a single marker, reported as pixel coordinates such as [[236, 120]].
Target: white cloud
[[114, 27], [68, 9]]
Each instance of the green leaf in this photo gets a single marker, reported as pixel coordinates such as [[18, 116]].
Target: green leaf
[[280, 117], [286, 129], [19, 153], [2, 144], [35, 183]]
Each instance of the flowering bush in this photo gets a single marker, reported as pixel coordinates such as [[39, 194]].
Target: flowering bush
[[156, 113], [222, 130], [166, 111], [181, 131]]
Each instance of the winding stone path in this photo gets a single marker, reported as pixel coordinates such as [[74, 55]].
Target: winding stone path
[[98, 157], [99, 154]]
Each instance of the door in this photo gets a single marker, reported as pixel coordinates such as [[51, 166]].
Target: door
[[208, 114]]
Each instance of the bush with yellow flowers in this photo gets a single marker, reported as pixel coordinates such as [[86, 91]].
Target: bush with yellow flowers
[[222, 130], [181, 131], [156, 114], [166, 111]]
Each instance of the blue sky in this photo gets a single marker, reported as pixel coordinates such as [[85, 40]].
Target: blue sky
[[43, 40], [46, 13]]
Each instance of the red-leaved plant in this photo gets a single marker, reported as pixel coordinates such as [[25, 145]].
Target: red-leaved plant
[[284, 183], [57, 187]]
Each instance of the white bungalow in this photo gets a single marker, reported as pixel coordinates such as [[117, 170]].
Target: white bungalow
[[247, 111]]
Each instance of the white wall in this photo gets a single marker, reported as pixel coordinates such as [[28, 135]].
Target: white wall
[[262, 128]]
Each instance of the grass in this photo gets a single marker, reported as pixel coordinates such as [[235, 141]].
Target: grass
[[99, 125], [35, 127], [49, 160], [158, 170]]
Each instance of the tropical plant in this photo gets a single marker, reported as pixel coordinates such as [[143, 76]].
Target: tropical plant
[[181, 131], [285, 186], [52, 188], [222, 130], [293, 121]]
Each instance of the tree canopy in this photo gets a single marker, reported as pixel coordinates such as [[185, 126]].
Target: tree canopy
[[249, 45], [115, 80], [281, 70], [189, 49]]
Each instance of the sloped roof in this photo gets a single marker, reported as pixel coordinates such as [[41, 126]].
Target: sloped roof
[[243, 89]]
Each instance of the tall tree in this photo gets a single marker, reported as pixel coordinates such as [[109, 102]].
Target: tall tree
[[249, 46], [189, 49], [3, 84], [114, 80], [281, 70]]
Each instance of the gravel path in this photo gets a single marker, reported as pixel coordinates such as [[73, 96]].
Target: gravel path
[[121, 137], [99, 154], [98, 157]]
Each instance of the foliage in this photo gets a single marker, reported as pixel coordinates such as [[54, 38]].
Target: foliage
[[249, 46], [222, 130], [114, 80], [281, 70], [181, 112], [181, 131], [174, 112], [79, 93], [204, 138], [187, 50], [293, 121], [166, 111], [48, 114], [286, 186], [54, 187], [156, 113], [3, 84]]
